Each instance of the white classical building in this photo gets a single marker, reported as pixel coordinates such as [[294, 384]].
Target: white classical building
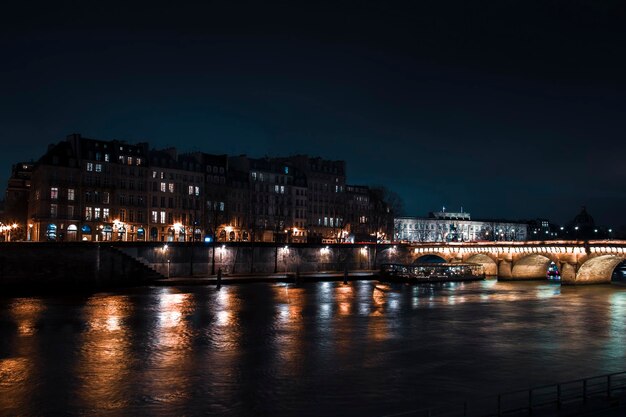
[[456, 227]]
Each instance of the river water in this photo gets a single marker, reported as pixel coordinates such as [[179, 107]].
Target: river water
[[362, 349]]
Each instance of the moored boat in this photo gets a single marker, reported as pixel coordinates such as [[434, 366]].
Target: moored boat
[[432, 272]]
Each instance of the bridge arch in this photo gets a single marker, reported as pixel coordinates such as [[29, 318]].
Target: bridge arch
[[531, 266], [490, 266], [598, 269], [429, 258]]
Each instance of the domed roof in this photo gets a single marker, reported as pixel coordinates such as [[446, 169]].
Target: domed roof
[[584, 219]]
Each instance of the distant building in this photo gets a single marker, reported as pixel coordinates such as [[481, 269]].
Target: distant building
[[85, 189], [15, 210], [368, 217], [456, 227]]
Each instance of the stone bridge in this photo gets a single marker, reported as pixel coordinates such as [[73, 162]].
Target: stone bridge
[[579, 262]]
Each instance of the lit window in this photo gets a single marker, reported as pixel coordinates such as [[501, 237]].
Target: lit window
[[197, 190], [106, 157], [138, 161], [89, 166], [162, 218], [276, 189], [221, 206], [282, 189], [70, 194], [154, 216], [88, 213], [163, 189], [54, 193], [170, 187], [325, 221], [105, 214], [54, 210], [98, 167], [96, 213], [254, 176], [130, 160], [154, 174]]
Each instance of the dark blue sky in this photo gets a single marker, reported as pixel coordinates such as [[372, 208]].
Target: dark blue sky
[[512, 109]]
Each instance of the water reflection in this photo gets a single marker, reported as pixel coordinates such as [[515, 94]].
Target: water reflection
[[103, 368], [362, 348]]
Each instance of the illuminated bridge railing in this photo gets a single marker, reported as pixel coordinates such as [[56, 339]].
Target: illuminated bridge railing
[[576, 397]]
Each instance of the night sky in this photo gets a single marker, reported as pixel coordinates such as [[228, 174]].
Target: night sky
[[511, 109]]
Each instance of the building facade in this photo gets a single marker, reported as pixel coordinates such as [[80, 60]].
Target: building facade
[[457, 227], [85, 189]]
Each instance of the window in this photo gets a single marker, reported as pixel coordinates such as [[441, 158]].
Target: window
[[70, 212], [54, 193], [54, 210], [98, 156], [71, 196], [163, 187], [138, 161], [254, 176], [221, 206], [106, 197], [190, 189], [106, 157], [325, 221], [276, 188], [170, 187], [122, 215], [162, 217], [98, 167], [282, 189], [89, 166], [105, 214], [197, 190], [154, 216], [154, 174], [96, 213], [88, 213], [130, 160], [286, 170]]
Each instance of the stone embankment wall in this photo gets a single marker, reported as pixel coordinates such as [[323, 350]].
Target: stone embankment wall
[[198, 259], [49, 267]]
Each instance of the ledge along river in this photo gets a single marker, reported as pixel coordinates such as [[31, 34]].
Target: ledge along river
[[325, 348]]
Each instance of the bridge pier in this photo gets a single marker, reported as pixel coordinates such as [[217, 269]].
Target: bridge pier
[[568, 273], [504, 269]]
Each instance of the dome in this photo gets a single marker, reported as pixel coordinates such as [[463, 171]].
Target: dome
[[583, 219]]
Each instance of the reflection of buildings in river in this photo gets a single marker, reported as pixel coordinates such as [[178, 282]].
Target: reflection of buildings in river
[[19, 373], [617, 326], [288, 334], [104, 367], [171, 354]]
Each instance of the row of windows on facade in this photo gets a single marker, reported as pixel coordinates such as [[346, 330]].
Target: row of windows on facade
[[181, 177], [432, 226], [97, 167], [330, 222], [170, 187]]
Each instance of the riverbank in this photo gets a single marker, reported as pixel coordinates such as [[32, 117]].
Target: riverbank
[[278, 277]]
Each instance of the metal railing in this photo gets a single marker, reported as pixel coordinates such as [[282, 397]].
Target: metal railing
[[581, 395]]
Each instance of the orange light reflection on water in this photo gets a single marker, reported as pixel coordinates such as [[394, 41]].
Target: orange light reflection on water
[[104, 365]]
